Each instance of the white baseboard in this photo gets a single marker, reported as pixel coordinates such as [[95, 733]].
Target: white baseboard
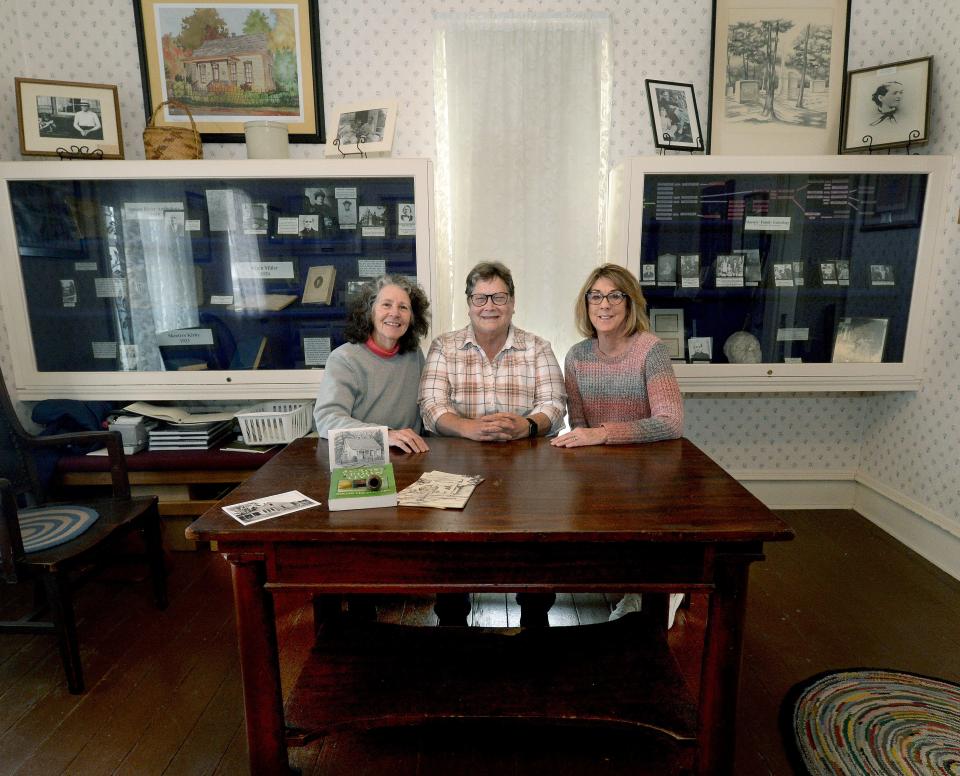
[[925, 531]]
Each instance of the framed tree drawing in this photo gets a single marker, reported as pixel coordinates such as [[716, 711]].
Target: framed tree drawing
[[887, 106], [231, 62], [777, 76]]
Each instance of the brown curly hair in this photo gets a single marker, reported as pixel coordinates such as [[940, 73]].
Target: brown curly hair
[[360, 313]]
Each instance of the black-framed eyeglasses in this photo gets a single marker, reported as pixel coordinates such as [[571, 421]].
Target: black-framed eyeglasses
[[614, 297], [479, 300]]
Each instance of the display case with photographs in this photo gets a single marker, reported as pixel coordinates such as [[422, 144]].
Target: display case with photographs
[[201, 279], [799, 285]]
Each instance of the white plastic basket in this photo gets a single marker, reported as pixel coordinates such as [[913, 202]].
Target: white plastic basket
[[276, 422]]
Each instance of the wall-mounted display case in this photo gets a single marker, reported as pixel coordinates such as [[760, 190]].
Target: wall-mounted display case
[[200, 279], [775, 274]]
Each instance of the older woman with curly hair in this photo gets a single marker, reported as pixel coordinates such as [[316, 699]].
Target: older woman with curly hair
[[374, 379]]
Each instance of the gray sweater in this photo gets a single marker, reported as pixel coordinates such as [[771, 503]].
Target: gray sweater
[[360, 388]]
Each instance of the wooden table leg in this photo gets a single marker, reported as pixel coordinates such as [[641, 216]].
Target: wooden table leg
[[259, 667], [720, 675]]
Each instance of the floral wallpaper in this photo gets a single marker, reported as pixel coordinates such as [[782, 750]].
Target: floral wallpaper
[[386, 48]]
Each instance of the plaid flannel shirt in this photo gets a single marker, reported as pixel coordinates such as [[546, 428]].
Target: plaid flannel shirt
[[523, 378]]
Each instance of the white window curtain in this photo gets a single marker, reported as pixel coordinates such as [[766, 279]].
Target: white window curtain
[[523, 117]]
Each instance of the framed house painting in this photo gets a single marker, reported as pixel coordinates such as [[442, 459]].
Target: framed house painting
[[231, 62], [66, 115], [674, 115], [777, 76], [887, 106]]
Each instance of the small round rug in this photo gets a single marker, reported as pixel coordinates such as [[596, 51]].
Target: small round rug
[[46, 527], [875, 723]]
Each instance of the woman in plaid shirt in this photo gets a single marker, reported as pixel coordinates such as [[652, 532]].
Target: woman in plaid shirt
[[492, 382]]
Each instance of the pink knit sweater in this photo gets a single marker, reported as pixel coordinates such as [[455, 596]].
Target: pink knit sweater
[[634, 396]]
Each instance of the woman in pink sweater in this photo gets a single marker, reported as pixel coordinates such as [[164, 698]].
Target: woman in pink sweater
[[620, 383]]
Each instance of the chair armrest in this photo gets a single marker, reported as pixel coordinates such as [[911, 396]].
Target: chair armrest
[[114, 444], [11, 545]]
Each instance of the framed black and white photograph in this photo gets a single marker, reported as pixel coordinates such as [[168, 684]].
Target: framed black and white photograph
[[667, 324], [798, 273], [828, 273], [648, 274], [690, 270], [63, 114], [700, 350], [843, 272], [881, 275], [406, 219], [730, 270], [667, 269], [674, 115], [347, 213], [783, 274], [860, 341], [777, 76], [887, 106], [362, 126]]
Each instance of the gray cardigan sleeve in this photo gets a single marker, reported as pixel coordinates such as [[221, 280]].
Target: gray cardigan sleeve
[[338, 395]]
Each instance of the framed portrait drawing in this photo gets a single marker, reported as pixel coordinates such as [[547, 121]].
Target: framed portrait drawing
[[887, 106], [63, 114], [231, 62], [674, 115], [368, 126], [777, 76]]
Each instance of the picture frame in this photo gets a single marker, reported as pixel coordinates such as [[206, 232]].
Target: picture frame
[[674, 115], [700, 350], [887, 106], [897, 204], [51, 116], [368, 126], [667, 324], [756, 42], [860, 341], [235, 76]]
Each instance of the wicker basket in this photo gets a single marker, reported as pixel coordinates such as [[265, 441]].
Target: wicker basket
[[276, 422], [168, 142]]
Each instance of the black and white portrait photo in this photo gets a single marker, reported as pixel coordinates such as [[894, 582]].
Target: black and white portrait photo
[[673, 113], [69, 117], [648, 274], [347, 213], [363, 125], [783, 274], [729, 270], [828, 273], [699, 349], [886, 104], [881, 275], [860, 341], [667, 269]]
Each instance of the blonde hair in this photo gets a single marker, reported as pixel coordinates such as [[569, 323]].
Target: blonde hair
[[623, 280]]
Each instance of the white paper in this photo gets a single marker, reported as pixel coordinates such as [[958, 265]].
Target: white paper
[[108, 288], [288, 225], [258, 509], [104, 349], [793, 334], [274, 270], [345, 192], [85, 266], [371, 268], [192, 225], [373, 231], [767, 224], [316, 350], [185, 337], [439, 490], [222, 299]]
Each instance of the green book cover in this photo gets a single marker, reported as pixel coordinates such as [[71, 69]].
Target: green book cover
[[363, 487]]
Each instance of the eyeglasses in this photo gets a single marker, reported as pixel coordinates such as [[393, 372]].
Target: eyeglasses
[[614, 297], [480, 300]]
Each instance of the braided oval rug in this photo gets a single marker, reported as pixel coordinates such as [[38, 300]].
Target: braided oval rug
[[874, 722]]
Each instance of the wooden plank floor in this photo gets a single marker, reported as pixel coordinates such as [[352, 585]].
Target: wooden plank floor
[[164, 691]]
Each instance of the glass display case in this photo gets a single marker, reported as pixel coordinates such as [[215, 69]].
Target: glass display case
[[201, 279], [772, 274]]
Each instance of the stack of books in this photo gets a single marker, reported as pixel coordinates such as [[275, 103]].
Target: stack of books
[[192, 436]]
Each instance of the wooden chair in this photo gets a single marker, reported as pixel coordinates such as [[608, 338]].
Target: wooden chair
[[56, 570]]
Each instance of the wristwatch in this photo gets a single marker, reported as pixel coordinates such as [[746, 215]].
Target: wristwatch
[[534, 428]]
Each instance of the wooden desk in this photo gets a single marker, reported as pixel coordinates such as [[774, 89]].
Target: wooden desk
[[651, 518]]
